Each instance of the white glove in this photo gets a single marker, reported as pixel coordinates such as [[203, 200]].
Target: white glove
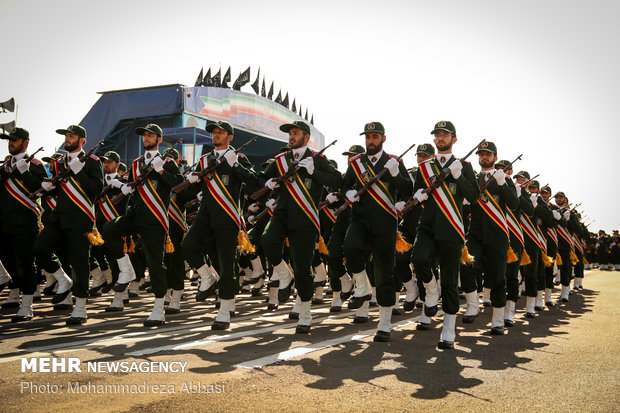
[[231, 157], [455, 169], [254, 207], [400, 205], [534, 199], [567, 215], [158, 164], [115, 183], [251, 219], [331, 198], [307, 163], [22, 166], [392, 165], [126, 189], [199, 196], [48, 186], [76, 165], [557, 215], [271, 204], [500, 177], [518, 188], [420, 196], [351, 195], [272, 184], [193, 178], [465, 201]]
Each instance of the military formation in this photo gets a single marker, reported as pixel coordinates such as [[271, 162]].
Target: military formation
[[295, 228]]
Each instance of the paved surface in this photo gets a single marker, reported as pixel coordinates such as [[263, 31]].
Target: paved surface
[[567, 359]]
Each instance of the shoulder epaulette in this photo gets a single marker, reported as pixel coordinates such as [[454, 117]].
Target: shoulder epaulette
[[280, 155], [35, 161], [320, 155], [356, 157], [94, 157]]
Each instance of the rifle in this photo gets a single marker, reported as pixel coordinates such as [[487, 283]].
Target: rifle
[[210, 169], [64, 174], [524, 184], [292, 170], [492, 178], [263, 212], [445, 172], [144, 173], [248, 212], [370, 183], [4, 174]]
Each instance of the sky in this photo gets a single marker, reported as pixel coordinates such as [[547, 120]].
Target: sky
[[535, 77]]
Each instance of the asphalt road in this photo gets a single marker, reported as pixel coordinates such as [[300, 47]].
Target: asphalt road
[[566, 359]]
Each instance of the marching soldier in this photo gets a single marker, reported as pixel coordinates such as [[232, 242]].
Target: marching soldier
[[374, 222], [219, 223], [147, 215], [71, 223], [551, 237], [566, 248], [21, 216], [441, 231], [296, 216]]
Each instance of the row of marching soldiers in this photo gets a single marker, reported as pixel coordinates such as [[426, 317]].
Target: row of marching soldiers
[[436, 231]]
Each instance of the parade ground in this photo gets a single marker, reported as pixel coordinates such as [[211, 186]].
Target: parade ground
[[566, 359]]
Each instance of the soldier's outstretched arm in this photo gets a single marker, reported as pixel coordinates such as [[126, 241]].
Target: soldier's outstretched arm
[[467, 183], [172, 174]]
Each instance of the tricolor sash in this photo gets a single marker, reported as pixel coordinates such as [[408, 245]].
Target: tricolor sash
[[218, 190], [443, 198], [493, 210], [51, 202], [566, 236], [577, 244], [553, 235], [299, 191], [514, 226], [150, 196], [532, 232], [378, 191], [76, 194], [331, 214], [107, 208], [20, 193], [177, 215]]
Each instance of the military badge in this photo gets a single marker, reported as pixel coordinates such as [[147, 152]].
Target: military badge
[[225, 179], [366, 176], [452, 188], [308, 182], [496, 198]]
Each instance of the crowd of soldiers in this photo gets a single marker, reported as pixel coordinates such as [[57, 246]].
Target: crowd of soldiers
[[437, 233]]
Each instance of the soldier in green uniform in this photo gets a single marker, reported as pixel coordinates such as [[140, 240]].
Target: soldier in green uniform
[[70, 223], [566, 248], [296, 215], [441, 233], [374, 222], [20, 216], [147, 215], [488, 236], [219, 221], [551, 237]]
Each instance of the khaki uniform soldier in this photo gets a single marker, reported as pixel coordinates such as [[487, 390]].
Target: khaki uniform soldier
[[147, 215], [441, 232], [488, 238], [373, 226], [71, 223], [219, 222], [20, 216], [296, 215]]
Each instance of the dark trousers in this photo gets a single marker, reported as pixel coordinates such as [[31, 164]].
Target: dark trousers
[[490, 259], [335, 259], [566, 270], [530, 271], [175, 262], [512, 273], [19, 260]]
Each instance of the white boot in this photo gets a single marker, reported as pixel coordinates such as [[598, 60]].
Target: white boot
[[284, 275], [117, 302], [548, 300], [305, 318], [65, 304], [564, 295], [317, 297], [448, 332], [175, 302], [361, 315], [362, 284], [497, 320], [530, 303], [64, 281], [473, 306], [12, 301], [50, 283], [207, 278], [539, 300], [509, 313], [157, 317], [5, 278], [78, 316], [294, 314], [320, 274], [168, 296], [336, 305], [257, 268], [347, 283], [385, 319], [25, 310], [98, 279], [486, 297], [373, 297], [432, 296], [107, 276], [134, 289], [127, 273], [222, 320], [273, 298], [411, 291], [425, 322]]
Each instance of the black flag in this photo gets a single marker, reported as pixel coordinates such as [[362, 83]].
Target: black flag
[[279, 97], [243, 79], [270, 94], [306, 117], [255, 84], [217, 78], [226, 79], [7, 126], [312, 119], [207, 80], [293, 107], [285, 101], [262, 89], [9, 105], [199, 80]]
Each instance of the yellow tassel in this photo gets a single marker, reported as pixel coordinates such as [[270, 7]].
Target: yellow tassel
[[573, 258], [132, 245], [169, 245], [511, 256], [585, 262], [401, 244], [525, 259], [244, 244], [322, 247], [287, 243], [558, 260], [546, 259], [124, 245], [466, 258], [41, 226], [94, 237]]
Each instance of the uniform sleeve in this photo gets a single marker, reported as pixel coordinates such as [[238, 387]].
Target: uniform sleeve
[[325, 173], [33, 177], [245, 171], [171, 174], [467, 184], [509, 193], [91, 177]]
